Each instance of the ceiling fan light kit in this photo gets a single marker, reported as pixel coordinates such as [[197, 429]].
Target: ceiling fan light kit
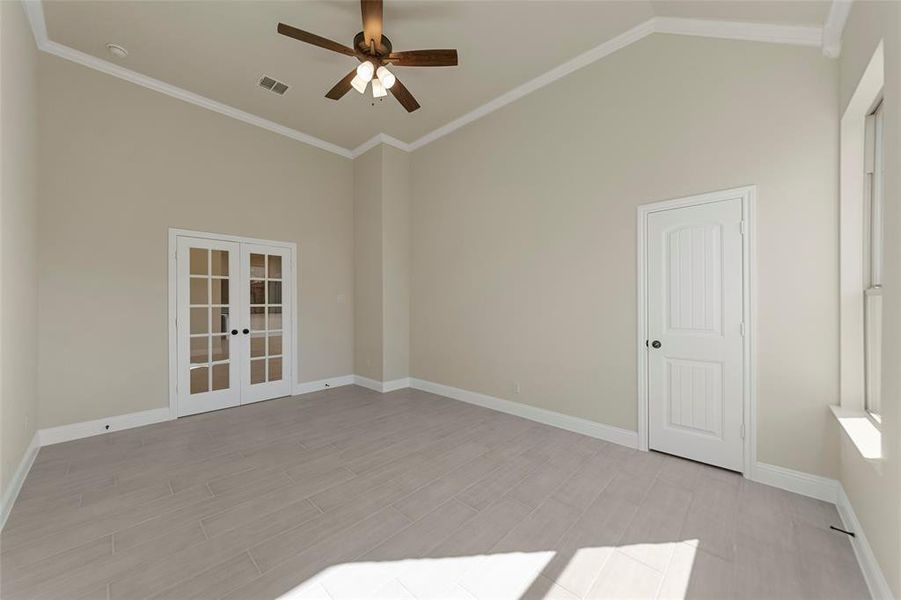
[[374, 51]]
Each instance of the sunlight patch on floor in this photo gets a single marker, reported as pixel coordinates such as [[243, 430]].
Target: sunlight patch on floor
[[506, 575], [502, 576]]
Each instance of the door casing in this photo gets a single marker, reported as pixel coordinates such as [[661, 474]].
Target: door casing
[[290, 369], [748, 196]]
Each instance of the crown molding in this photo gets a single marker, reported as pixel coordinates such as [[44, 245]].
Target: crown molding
[[35, 12], [795, 35], [583, 60], [380, 138], [756, 32], [835, 25]]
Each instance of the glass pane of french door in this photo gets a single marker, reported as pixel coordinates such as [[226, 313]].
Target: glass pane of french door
[[267, 347], [266, 318], [208, 377]]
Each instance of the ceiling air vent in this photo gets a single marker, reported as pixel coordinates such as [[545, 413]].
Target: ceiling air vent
[[273, 85]]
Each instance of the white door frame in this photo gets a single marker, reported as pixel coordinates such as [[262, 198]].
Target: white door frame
[[748, 195], [290, 369]]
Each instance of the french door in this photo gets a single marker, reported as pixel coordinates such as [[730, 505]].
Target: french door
[[233, 323]]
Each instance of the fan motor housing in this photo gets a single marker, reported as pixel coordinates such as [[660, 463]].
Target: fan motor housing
[[362, 51]]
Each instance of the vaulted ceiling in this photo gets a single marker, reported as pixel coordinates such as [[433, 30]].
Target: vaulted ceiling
[[220, 50]]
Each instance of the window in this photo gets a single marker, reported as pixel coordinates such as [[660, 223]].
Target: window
[[874, 165], [860, 272]]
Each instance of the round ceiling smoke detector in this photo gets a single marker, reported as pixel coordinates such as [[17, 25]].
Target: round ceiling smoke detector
[[117, 51]]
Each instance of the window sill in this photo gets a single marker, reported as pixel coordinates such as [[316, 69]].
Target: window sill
[[862, 432]]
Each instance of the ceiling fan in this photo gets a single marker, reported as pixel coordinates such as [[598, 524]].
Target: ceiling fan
[[374, 52]]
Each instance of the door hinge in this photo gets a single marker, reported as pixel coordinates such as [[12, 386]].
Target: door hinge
[[743, 228], [742, 431], [741, 328]]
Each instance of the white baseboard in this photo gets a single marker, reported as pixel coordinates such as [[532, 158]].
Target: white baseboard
[[608, 433], [76, 431], [321, 384], [15, 484], [366, 382], [395, 384], [382, 386], [813, 486], [879, 588]]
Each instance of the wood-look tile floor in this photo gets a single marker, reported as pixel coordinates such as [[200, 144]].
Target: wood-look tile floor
[[350, 494]]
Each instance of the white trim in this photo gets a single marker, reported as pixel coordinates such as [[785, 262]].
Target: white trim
[[851, 228], [794, 35], [382, 386], [368, 383], [631, 36], [377, 139], [872, 573], [863, 432], [608, 433], [812, 486], [35, 11], [321, 384], [174, 234], [18, 478], [77, 431], [748, 195], [835, 25], [395, 384], [758, 32]]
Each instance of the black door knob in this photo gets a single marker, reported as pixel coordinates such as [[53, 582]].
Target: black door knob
[[246, 331], [655, 344], [234, 332]]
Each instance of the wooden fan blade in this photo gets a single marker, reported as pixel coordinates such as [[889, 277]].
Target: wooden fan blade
[[372, 22], [342, 87], [312, 38], [404, 96], [424, 58]]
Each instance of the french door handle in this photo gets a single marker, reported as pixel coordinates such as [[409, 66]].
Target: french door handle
[[246, 331], [234, 332]]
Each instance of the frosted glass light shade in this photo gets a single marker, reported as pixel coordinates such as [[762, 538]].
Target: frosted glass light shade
[[358, 84], [378, 90], [365, 70], [386, 77]]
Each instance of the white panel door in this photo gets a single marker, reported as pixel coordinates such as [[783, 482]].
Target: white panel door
[[207, 291], [695, 403], [266, 322]]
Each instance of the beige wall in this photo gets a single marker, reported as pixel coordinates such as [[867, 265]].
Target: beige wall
[[368, 293], [121, 164], [524, 231], [382, 264], [396, 262], [18, 238], [875, 492]]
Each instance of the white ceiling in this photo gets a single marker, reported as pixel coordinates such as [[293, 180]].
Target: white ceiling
[[220, 49]]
